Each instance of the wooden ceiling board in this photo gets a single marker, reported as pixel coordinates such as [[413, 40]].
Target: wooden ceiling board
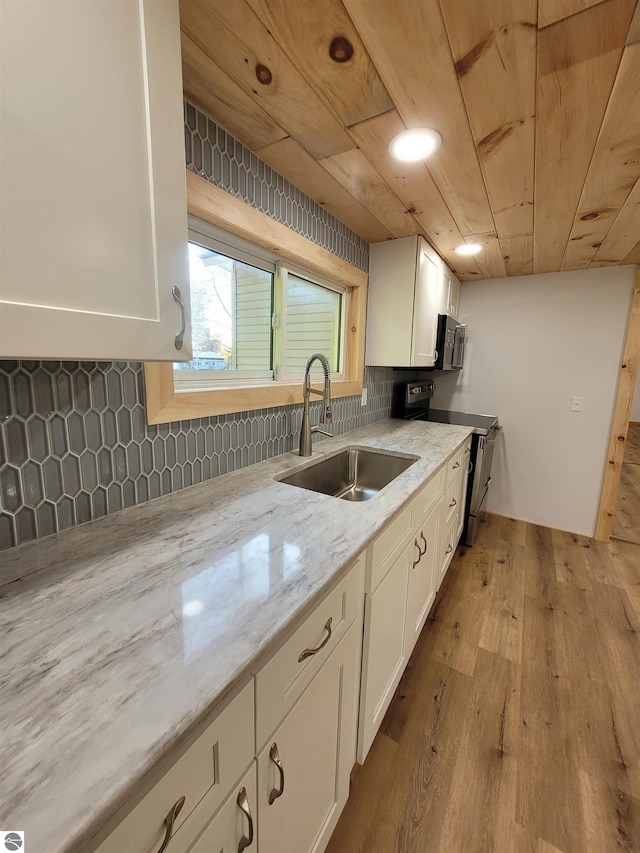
[[518, 255], [634, 256], [623, 234], [356, 174], [614, 168], [409, 45], [495, 58], [550, 11], [634, 28], [290, 159], [238, 43], [490, 261], [306, 29], [232, 108], [578, 59]]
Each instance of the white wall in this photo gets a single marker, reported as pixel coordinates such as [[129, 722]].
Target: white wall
[[534, 342]]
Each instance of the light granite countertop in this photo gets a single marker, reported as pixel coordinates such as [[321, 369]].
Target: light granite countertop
[[120, 636]]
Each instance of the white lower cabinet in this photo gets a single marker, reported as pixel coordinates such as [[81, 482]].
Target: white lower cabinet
[[383, 651], [422, 575], [303, 771]]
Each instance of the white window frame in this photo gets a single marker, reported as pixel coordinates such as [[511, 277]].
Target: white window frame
[[236, 248]]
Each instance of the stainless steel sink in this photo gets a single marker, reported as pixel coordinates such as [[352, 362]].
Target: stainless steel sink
[[352, 474]]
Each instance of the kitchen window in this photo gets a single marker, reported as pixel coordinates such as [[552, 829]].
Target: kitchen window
[[255, 319], [304, 274]]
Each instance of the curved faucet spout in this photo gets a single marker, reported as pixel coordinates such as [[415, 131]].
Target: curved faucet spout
[[326, 416]]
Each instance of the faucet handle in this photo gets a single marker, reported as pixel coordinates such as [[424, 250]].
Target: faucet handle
[[328, 415]]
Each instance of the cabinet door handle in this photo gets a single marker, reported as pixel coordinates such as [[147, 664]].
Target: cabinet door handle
[[307, 653], [457, 465], [425, 543], [169, 821], [449, 550], [420, 554], [243, 804], [275, 757], [177, 296], [453, 502]]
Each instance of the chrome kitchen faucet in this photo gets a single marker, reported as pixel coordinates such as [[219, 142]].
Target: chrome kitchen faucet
[[326, 416]]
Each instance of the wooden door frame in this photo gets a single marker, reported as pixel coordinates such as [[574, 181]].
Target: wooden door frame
[[622, 412]]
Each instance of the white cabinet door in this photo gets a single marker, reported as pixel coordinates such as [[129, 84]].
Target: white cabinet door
[[383, 656], [421, 589], [425, 308], [93, 235], [299, 802]]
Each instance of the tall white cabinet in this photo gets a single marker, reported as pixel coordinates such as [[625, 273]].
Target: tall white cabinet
[[93, 231]]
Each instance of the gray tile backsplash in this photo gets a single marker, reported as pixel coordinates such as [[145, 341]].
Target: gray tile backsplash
[[74, 444]]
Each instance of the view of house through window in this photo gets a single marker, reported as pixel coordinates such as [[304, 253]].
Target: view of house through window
[[255, 321]]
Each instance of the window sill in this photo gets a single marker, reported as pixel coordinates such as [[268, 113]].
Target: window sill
[[187, 405]]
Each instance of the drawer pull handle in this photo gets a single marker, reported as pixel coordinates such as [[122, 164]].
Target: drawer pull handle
[[275, 757], [467, 450], [169, 821], [457, 465], [243, 804], [420, 553], [449, 550], [307, 653], [177, 298], [453, 502], [425, 543]]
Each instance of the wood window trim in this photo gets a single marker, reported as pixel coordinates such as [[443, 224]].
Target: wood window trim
[[217, 207], [622, 412]]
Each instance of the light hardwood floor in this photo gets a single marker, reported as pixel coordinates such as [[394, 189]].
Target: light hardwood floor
[[516, 726], [626, 520]]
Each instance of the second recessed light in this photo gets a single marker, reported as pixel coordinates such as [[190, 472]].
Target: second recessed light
[[416, 144], [469, 248]]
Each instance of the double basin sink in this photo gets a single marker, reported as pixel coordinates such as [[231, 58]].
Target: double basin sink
[[352, 474]]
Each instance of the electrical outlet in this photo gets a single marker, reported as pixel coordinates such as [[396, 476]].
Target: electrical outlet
[[576, 404], [363, 399]]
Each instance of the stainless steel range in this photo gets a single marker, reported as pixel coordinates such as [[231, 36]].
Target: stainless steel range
[[411, 400]]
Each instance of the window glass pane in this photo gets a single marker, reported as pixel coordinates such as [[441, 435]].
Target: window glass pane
[[231, 308], [313, 324]]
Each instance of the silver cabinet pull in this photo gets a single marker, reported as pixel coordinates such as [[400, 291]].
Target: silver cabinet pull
[[275, 757], [453, 502], [177, 296], [425, 543], [420, 554], [169, 821], [243, 804], [457, 465], [307, 653], [449, 550]]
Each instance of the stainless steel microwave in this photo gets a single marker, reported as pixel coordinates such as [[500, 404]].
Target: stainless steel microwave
[[450, 344]]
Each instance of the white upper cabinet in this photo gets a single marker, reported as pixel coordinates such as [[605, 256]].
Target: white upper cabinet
[[93, 229], [404, 296], [449, 293]]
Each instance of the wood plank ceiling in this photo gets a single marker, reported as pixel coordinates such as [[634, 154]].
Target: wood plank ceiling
[[537, 101]]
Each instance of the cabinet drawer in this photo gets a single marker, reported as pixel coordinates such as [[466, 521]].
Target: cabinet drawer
[[283, 679], [207, 769], [236, 819], [454, 466], [452, 498], [389, 545], [428, 497]]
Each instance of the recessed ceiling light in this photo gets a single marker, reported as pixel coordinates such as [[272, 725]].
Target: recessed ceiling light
[[469, 248], [415, 144]]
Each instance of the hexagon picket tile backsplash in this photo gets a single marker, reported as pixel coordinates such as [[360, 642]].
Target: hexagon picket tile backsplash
[[74, 444]]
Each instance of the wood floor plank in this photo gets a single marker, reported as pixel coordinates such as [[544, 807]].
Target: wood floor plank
[[632, 450], [486, 751]]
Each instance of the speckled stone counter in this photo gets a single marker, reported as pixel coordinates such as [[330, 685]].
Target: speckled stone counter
[[121, 635]]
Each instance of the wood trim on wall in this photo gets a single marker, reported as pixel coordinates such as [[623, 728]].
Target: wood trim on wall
[[622, 412], [218, 207]]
